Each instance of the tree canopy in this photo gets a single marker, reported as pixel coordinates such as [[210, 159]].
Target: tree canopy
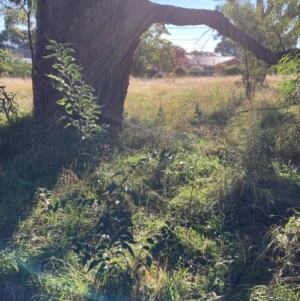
[[153, 52]]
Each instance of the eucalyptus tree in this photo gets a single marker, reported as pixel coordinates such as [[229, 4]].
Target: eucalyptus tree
[[21, 12], [273, 23], [105, 35], [153, 51]]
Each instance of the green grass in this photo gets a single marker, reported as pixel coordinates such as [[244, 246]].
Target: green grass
[[203, 178]]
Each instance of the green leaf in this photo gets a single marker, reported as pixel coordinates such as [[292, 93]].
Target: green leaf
[[65, 52], [84, 101], [72, 67], [53, 77], [50, 56], [68, 59], [51, 47], [69, 109], [77, 76], [53, 42]]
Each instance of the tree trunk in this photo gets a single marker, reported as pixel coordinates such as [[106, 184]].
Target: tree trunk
[[105, 35]]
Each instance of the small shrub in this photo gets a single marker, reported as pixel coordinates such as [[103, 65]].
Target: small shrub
[[196, 71], [82, 112], [289, 67], [7, 104], [151, 72], [219, 68], [180, 71], [11, 66], [20, 69], [138, 67], [232, 70]]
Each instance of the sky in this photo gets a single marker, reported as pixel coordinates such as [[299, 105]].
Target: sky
[[188, 36]]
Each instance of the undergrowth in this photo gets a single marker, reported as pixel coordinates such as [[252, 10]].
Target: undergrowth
[[200, 208]]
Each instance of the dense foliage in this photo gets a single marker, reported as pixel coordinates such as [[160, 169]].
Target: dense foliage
[[274, 24], [14, 66], [153, 52], [19, 22]]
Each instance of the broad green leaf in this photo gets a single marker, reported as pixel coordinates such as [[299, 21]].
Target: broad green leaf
[[72, 67], [69, 109], [62, 102], [50, 56], [51, 47], [67, 59]]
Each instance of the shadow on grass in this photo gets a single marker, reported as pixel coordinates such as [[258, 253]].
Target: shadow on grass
[[257, 204], [259, 198], [263, 197], [32, 156], [217, 120]]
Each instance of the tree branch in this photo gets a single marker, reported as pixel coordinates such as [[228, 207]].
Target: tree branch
[[267, 109], [216, 20]]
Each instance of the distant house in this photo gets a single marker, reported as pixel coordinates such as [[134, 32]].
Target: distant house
[[206, 65], [184, 59]]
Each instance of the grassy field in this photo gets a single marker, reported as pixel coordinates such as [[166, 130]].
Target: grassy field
[[196, 199]]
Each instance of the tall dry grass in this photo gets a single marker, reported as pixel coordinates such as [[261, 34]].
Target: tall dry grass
[[23, 89], [219, 99], [177, 97]]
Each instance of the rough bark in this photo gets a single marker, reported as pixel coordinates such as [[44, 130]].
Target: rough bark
[[105, 35]]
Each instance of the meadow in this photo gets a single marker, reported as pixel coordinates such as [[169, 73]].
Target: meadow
[[195, 199]]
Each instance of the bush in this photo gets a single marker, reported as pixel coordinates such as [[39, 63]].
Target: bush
[[180, 71], [139, 67], [11, 66], [151, 72], [232, 70], [81, 109], [196, 71], [20, 69]]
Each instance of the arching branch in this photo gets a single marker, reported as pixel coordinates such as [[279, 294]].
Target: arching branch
[[216, 20]]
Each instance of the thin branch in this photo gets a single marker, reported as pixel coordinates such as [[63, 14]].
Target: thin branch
[[266, 109], [5, 5], [206, 31]]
